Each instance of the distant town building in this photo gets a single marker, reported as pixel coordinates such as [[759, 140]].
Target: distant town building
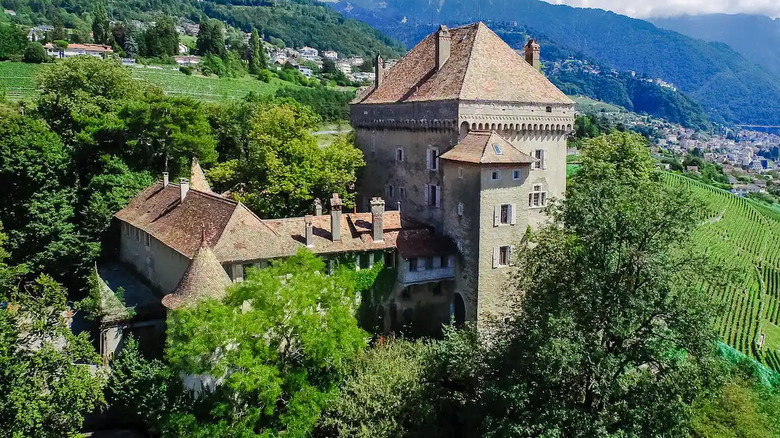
[[187, 60], [330, 54], [96, 50]]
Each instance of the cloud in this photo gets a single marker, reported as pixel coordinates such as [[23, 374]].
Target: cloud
[[670, 8]]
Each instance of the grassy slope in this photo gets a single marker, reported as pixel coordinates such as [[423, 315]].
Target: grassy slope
[[745, 236], [17, 79]]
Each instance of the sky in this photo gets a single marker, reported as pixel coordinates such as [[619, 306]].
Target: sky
[[670, 8]]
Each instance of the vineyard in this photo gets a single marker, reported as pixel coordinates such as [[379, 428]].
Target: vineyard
[[742, 235], [17, 80]]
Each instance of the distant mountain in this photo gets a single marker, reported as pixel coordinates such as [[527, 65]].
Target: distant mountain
[[757, 37], [296, 22], [728, 86]]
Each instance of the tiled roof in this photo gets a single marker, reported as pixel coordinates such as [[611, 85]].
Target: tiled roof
[[483, 147], [198, 179], [481, 66], [204, 278], [178, 224], [235, 234]]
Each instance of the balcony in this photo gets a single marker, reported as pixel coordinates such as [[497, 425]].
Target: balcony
[[406, 277]]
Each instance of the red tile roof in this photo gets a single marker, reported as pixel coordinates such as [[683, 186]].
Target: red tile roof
[[481, 66], [481, 147], [204, 278]]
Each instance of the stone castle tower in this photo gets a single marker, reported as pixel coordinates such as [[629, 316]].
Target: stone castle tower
[[466, 135]]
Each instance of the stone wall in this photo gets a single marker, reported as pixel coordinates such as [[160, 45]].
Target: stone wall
[[161, 266]]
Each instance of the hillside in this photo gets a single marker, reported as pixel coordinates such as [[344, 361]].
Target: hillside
[[726, 84], [296, 22], [744, 236], [756, 37]]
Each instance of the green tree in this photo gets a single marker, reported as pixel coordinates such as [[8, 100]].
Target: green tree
[[47, 383], [35, 53], [284, 168], [161, 39], [101, 33], [613, 335], [203, 42], [167, 132], [13, 41], [257, 58], [285, 336]]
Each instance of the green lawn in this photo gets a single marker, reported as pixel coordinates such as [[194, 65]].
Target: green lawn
[[17, 79]]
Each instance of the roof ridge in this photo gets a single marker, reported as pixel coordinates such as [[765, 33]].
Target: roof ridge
[[468, 58]]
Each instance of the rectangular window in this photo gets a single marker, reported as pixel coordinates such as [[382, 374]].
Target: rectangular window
[[402, 193], [413, 264], [433, 159], [460, 172], [540, 157], [147, 239], [495, 175], [516, 174], [504, 214], [389, 260], [502, 256], [537, 198], [460, 209], [389, 191], [399, 155], [445, 262], [429, 263], [433, 195]]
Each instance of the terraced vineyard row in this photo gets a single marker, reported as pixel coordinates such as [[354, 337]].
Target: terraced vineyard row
[[744, 236]]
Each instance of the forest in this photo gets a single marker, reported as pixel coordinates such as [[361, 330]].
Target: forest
[[613, 336]]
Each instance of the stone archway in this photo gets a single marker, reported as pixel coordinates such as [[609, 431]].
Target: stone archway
[[458, 309]]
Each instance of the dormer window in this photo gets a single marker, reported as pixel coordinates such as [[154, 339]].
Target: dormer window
[[497, 148]]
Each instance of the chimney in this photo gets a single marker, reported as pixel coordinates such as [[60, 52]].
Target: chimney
[[378, 218], [443, 44], [379, 70], [165, 179], [317, 207], [309, 232], [184, 187], [335, 217], [532, 51]]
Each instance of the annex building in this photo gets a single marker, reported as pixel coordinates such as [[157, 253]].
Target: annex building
[[465, 142]]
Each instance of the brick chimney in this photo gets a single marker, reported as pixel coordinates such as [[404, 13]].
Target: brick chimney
[[165, 179], [335, 217], [309, 231], [379, 70], [378, 218], [443, 45], [184, 187], [532, 51], [317, 207]]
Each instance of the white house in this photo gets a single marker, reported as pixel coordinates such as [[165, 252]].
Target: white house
[[96, 50]]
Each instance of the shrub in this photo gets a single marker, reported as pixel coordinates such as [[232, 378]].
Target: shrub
[[186, 70], [60, 44], [35, 53], [264, 75]]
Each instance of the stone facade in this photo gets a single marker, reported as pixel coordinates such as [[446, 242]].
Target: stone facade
[[397, 135]]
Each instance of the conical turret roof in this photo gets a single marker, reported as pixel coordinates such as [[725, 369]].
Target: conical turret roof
[[205, 278], [198, 179]]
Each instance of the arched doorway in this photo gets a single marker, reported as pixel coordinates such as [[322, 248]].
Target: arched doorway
[[458, 309]]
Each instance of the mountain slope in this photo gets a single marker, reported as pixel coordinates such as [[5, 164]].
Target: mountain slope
[[296, 22], [757, 37], [722, 80]]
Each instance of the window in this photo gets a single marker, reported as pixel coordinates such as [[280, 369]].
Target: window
[[429, 263], [504, 214], [433, 159], [495, 175], [138, 234], [460, 209], [502, 256], [413, 264], [548, 109], [389, 260], [445, 262], [433, 195], [401, 193], [537, 198], [497, 149], [516, 174], [460, 172], [389, 191], [399, 155], [147, 240], [540, 163]]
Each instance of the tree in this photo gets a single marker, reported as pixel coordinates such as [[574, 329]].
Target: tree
[[35, 53], [100, 31], [161, 40], [284, 339], [167, 132], [203, 42], [257, 59], [47, 383], [37, 203], [613, 335], [284, 168], [211, 38], [12, 42]]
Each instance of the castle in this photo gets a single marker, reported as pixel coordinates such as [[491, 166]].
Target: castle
[[465, 142]]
